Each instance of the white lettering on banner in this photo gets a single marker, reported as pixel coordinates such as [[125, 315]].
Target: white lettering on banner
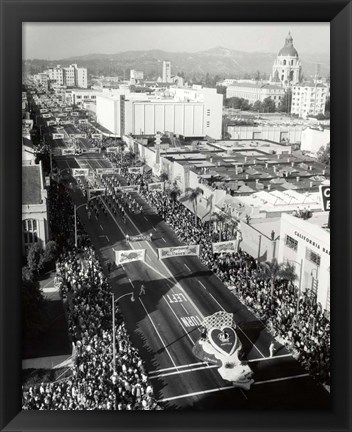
[[58, 136], [46, 115], [74, 114], [81, 121], [191, 321], [108, 170], [111, 149], [227, 246], [80, 172], [169, 252], [97, 135], [176, 298], [68, 151]]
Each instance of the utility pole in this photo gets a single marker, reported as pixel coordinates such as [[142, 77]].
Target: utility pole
[[113, 334]]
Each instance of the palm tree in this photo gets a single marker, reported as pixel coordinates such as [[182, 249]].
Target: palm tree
[[221, 219], [164, 177], [192, 195], [274, 271], [174, 193], [121, 145]]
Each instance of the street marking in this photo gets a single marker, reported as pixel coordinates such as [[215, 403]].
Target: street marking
[[172, 360], [145, 218], [191, 321], [50, 281], [101, 227], [163, 239], [269, 358], [281, 379], [107, 238], [179, 367], [196, 393], [185, 309], [131, 282], [184, 371], [187, 267], [202, 284], [189, 337], [154, 229]]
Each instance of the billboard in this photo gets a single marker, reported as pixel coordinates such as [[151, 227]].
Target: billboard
[[80, 172], [170, 252], [230, 246], [126, 256], [325, 197]]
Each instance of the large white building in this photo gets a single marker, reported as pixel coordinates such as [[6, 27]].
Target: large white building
[[314, 138], [185, 112], [70, 76], [287, 67], [306, 245], [167, 72], [309, 99], [256, 92]]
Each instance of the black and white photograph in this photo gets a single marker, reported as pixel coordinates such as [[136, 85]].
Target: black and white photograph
[[176, 216]]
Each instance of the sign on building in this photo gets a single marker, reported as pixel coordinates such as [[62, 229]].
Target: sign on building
[[325, 197]]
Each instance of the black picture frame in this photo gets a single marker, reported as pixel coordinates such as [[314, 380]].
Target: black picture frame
[[13, 13]]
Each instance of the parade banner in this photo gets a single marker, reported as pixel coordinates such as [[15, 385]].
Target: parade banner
[[93, 150], [68, 109], [51, 123], [219, 344], [126, 256], [111, 149], [47, 115], [58, 136], [43, 110], [108, 170], [135, 170], [78, 135], [65, 122], [139, 237], [62, 115], [130, 188], [74, 114], [156, 186], [170, 252], [76, 172], [97, 136], [68, 151], [93, 193], [226, 246], [83, 121]]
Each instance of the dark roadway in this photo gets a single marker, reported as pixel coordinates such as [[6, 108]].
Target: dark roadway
[[163, 323]]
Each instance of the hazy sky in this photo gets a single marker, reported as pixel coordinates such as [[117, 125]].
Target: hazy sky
[[56, 41]]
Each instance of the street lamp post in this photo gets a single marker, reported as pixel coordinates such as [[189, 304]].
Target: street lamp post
[[113, 324]]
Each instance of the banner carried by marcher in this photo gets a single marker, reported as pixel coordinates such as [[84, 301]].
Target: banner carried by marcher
[[80, 172], [159, 186], [130, 188], [92, 193], [230, 246], [139, 237], [108, 170], [78, 135], [58, 136], [111, 149], [97, 135], [170, 252], [126, 256], [135, 170]]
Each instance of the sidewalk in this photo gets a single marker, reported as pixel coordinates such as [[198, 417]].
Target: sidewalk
[[52, 362]]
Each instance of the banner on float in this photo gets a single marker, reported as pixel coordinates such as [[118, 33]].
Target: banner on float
[[93, 150], [170, 252], [92, 193], [51, 123], [130, 188], [159, 186], [58, 136], [126, 256], [78, 135], [74, 114], [111, 149], [47, 115], [76, 172], [68, 151], [68, 109], [139, 237], [108, 170], [43, 110], [96, 135], [226, 246], [135, 170], [83, 121]]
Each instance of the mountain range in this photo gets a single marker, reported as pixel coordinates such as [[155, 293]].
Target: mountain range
[[219, 61]]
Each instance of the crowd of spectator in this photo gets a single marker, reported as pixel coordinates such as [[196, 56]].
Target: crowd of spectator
[[94, 384]]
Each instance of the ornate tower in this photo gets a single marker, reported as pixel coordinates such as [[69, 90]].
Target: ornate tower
[[287, 67]]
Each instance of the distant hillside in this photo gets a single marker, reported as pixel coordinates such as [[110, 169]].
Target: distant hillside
[[218, 61]]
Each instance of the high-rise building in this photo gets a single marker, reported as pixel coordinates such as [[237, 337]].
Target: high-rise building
[[287, 67], [70, 76], [308, 99], [166, 71]]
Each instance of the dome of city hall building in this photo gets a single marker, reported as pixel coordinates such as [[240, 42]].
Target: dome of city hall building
[[288, 49]]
